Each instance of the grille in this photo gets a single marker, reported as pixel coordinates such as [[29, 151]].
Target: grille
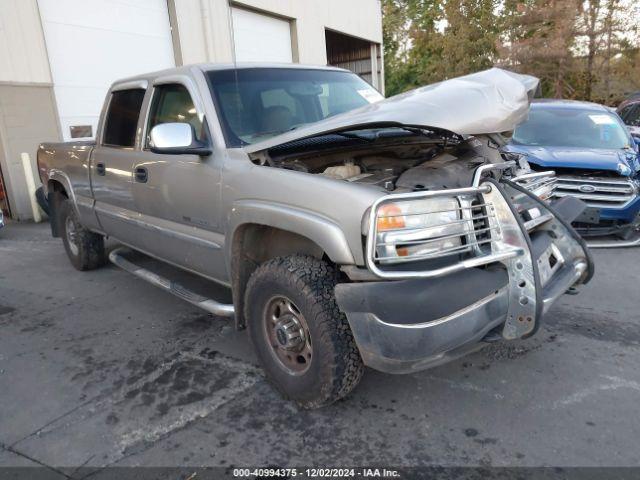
[[482, 229], [596, 192]]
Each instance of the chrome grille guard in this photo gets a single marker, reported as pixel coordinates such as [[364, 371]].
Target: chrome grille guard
[[506, 243], [500, 242], [561, 258], [542, 184]]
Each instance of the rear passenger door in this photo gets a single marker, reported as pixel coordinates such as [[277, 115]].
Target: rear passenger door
[[112, 161]]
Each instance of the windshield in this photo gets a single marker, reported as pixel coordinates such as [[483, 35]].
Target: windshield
[[257, 104], [570, 127]]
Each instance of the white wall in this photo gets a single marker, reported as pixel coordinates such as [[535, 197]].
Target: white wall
[[23, 56], [27, 117], [261, 38], [205, 34], [92, 43]]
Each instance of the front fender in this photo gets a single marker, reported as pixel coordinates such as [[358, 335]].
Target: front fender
[[318, 228]]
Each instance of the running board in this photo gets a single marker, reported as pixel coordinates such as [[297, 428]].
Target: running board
[[208, 304]]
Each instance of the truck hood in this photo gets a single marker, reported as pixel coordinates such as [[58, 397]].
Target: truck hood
[[490, 101], [625, 162]]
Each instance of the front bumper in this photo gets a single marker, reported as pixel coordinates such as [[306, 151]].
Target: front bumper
[[407, 326], [611, 228], [628, 214], [404, 326], [619, 223]]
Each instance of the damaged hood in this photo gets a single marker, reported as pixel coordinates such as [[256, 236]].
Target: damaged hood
[[490, 101]]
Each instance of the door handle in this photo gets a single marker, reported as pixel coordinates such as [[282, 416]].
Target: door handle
[[141, 175], [101, 169]]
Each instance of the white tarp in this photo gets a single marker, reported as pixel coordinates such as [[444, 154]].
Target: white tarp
[[490, 101]]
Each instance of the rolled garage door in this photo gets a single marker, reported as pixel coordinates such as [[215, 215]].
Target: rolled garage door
[[261, 38], [92, 43]]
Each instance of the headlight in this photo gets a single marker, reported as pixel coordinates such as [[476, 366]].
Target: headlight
[[624, 169], [420, 229]]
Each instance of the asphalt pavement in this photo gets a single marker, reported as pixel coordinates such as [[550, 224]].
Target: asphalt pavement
[[101, 369]]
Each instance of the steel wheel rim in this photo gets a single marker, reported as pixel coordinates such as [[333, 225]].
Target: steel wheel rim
[[71, 230], [287, 334]]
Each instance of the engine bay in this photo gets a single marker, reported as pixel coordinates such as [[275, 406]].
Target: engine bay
[[400, 168]]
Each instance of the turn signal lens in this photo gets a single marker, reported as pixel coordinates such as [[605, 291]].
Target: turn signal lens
[[390, 218]]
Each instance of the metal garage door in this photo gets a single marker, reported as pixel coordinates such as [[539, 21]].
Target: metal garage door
[[261, 38], [91, 43]]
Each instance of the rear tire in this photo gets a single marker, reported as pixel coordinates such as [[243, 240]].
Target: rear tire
[[301, 338], [85, 249]]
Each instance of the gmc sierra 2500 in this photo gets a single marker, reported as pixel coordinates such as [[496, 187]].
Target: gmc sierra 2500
[[351, 230]]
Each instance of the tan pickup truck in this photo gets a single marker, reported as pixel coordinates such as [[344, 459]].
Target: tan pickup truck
[[351, 230]]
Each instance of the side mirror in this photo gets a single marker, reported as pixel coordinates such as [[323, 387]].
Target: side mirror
[[176, 139]]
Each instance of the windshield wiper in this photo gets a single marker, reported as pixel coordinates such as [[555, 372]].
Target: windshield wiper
[[270, 132], [379, 132], [374, 134]]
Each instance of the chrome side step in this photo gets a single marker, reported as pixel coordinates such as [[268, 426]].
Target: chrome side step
[[208, 304]]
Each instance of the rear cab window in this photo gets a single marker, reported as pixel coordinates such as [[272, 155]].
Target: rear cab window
[[122, 118]]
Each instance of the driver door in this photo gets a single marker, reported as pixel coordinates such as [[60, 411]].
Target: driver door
[[178, 196]]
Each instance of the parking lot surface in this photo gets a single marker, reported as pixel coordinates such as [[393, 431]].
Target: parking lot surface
[[101, 369]]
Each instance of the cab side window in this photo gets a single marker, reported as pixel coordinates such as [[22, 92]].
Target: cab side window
[[632, 117], [122, 118], [173, 104], [625, 112]]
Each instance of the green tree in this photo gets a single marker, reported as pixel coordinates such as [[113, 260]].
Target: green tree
[[604, 34], [408, 29], [395, 40], [468, 42], [431, 40], [583, 49], [537, 39]]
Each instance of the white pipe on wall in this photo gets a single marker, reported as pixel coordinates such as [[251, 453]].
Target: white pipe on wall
[[31, 186]]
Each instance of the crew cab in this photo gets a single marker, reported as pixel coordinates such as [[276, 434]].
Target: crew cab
[[351, 230]]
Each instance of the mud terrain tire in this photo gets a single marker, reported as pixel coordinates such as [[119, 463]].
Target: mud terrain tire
[[84, 248], [334, 367]]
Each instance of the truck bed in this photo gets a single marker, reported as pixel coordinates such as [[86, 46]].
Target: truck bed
[[67, 159]]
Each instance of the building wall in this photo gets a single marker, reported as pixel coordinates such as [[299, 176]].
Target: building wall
[[27, 108], [92, 43], [23, 55], [205, 31], [32, 45], [27, 117]]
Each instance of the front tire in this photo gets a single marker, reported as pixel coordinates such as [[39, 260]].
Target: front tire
[[300, 336], [85, 249]]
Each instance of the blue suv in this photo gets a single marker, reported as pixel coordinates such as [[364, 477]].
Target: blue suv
[[595, 159]]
